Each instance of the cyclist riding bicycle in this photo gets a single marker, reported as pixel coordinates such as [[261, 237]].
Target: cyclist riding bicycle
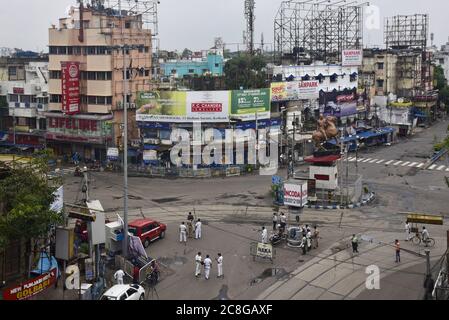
[[425, 235]]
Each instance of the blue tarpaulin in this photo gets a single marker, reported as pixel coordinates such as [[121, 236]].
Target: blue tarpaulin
[[45, 264]]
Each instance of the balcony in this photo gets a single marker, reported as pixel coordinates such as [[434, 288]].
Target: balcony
[[26, 110]]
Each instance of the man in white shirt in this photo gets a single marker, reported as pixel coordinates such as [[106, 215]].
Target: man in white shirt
[[425, 235], [275, 221], [198, 261], [264, 235], [119, 276], [220, 265], [183, 233], [198, 229], [283, 221], [207, 266], [407, 231]]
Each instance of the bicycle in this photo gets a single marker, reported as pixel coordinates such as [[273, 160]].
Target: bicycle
[[417, 240]]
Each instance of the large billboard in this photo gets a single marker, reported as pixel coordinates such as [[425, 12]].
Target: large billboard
[[70, 82], [352, 58], [295, 90], [32, 287], [246, 104], [203, 106]]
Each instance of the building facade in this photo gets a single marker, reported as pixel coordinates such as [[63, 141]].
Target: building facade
[[93, 38], [24, 93], [212, 64]]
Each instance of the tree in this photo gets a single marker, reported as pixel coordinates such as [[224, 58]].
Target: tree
[[441, 85], [245, 71], [25, 200]]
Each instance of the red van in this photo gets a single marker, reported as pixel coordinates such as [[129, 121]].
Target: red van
[[147, 230]]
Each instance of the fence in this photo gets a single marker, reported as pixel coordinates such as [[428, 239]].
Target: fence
[[231, 171]]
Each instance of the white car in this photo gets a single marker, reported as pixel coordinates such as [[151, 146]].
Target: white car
[[124, 292]]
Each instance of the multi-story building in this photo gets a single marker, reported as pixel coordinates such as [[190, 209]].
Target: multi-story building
[[24, 91], [92, 37], [211, 64]]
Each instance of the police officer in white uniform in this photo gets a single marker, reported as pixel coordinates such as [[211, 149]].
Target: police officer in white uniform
[[264, 235], [119, 276], [183, 233], [198, 229], [198, 261], [207, 266], [220, 265]]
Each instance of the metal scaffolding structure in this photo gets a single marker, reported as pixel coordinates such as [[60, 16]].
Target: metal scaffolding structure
[[406, 32], [250, 6], [318, 29]]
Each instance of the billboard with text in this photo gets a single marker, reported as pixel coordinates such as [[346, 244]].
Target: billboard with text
[[70, 82], [247, 103], [295, 90]]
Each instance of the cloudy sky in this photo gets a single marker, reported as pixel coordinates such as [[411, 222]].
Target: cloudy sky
[[195, 23]]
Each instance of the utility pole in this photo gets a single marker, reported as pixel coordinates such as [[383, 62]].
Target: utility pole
[[125, 141]]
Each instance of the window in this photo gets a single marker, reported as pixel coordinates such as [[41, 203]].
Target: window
[[141, 49], [70, 50], [123, 297], [147, 228], [61, 50], [128, 25], [13, 98], [77, 51], [91, 50], [101, 76], [12, 71], [147, 49], [52, 50], [131, 291], [191, 70], [25, 99], [108, 100], [380, 83], [173, 71], [91, 75], [91, 99], [55, 98], [55, 74], [147, 72], [101, 100], [380, 66], [101, 50]]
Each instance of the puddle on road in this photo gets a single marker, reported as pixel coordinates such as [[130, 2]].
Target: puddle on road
[[268, 273]]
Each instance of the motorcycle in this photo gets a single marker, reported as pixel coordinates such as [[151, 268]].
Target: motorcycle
[[276, 238]]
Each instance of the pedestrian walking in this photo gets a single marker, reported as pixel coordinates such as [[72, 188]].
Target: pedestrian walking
[[283, 221], [425, 235], [275, 221], [198, 226], [264, 235], [304, 245], [198, 262], [397, 248], [316, 234], [183, 233], [309, 240], [407, 231], [220, 266], [118, 276], [207, 266], [355, 244]]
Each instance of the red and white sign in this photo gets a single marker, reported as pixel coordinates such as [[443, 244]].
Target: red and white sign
[[352, 58], [16, 90], [70, 82], [208, 106], [295, 195], [309, 89], [31, 287]]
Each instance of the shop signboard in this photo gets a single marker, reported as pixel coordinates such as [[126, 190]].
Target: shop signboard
[[113, 154], [70, 82], [295, 194], [32, 287], [207, 106]]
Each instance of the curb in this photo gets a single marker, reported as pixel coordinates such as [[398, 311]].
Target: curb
[[337, 207]]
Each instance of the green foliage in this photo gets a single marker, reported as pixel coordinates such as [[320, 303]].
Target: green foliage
[[245, 71], [441, 85], [25, 200]]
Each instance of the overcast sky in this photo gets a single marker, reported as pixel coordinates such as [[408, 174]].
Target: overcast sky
[[195, 23]]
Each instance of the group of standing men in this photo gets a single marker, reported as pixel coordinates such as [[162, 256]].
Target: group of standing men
[[207, 263], [188, 230]]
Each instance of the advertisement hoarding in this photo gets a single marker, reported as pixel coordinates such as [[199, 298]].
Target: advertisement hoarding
[[341, 109], [113, 154], [70, 82], [295, 194], [295, 90], [32, 287], [203, 106], [352, 58], [246, 103]]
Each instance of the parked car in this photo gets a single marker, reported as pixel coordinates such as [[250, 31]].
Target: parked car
[[147, 230], [124, 292]]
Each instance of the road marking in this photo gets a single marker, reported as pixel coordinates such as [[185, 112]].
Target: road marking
[[405, 163], [379, 162], [441, 168], [413, 164], [420, 165], [373, 161], [389, 162], [366, 160], [395, 164], [433, 166], [352, 159]]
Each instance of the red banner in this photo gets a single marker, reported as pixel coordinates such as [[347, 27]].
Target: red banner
[[31, 288], [70, 81]]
